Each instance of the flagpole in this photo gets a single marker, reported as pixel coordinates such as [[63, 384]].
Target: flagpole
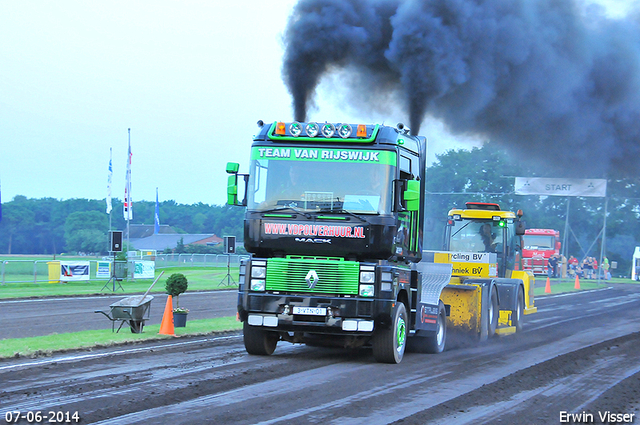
[[156, 216], [129, 211], [109, 207]]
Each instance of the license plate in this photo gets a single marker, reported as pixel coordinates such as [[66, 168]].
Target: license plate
[[310, 311]]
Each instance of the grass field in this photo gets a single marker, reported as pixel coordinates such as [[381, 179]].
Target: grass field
[[45, 345], [560, 286]]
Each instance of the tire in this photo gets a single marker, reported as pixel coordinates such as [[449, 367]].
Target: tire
[[493, 313], [259, 342], [436, 343], [136, 326], [390, 344], [517, 316]]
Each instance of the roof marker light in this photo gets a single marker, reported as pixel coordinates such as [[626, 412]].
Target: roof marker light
[[281, 128], [362, 130], [312, 129], [295, 129]]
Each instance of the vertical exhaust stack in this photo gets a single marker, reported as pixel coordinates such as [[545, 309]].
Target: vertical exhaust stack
[[546, 79]]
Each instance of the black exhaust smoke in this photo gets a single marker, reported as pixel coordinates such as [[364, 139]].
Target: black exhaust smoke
[[543, 78]]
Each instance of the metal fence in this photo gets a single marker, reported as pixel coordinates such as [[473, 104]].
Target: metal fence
[[44, 271], [187, 260]]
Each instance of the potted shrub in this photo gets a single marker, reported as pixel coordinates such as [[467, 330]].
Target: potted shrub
[[176, 285]]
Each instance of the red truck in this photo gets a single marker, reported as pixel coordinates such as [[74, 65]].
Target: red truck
[[539, 245]]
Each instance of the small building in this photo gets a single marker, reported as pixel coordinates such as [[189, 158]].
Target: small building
[[160, 242], [143, 238]]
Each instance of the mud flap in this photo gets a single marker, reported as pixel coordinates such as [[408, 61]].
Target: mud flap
[[435, 277], [508, 296], [465, 301], [528, 279]]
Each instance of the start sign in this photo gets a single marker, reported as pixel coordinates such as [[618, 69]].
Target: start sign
[[561, 187]]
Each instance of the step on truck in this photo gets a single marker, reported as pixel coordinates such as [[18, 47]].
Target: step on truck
[[488, 293]]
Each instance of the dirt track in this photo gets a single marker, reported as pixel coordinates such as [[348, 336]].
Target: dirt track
[[577, 354]]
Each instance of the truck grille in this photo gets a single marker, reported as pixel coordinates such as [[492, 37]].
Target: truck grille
[[334, 276]]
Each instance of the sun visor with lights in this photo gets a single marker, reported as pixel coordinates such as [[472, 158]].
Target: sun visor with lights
[[312, 131]]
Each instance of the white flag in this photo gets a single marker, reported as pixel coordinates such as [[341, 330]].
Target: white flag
[[128, 203], [109, 177]]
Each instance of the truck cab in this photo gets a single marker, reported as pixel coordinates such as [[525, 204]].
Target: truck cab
[[539, 245]]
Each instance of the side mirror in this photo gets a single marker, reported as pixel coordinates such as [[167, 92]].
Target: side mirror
[[412, 195], [232, 189], [232, 183], [233, 167], [520, 228]]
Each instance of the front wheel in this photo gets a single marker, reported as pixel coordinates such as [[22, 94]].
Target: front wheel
[[435, 343], [259, 341], [389, 344]]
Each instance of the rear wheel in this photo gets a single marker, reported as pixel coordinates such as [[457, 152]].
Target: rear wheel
[[518, 314], [389, 344], [259, 341], [435, 344]]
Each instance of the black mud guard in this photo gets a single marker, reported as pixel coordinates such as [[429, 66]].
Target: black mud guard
[[508, 293]]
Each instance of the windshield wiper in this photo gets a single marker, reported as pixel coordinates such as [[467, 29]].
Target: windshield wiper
[[468, 223], [286, 207], [343, 211]]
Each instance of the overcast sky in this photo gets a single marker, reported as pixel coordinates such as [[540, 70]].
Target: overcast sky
[[189, 78]]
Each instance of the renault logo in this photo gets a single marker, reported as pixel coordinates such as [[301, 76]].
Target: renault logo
[[312, 279]]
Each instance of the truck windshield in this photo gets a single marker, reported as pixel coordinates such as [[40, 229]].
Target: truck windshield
[[539, 242], [359, 187], [475, 236]]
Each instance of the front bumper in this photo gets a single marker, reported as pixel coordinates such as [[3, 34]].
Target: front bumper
[[314, 314]]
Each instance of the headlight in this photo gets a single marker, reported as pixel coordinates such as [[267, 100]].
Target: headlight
[[367, 277], [344, 130], [312, 129], [328, 129], [367, 290], [295, 129], [257, 285], [258, 272]]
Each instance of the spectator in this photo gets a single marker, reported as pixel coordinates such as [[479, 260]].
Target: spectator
[[605, 268], [586, 267], [552, 266], [573, 265]]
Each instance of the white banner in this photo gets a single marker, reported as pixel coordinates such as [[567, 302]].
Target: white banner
[[561, 187], [74, 270], [144, 270], [103, 269]]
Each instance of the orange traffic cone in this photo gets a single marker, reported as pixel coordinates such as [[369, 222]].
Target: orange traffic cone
[[166, 326], [577, 285], [547, 289]]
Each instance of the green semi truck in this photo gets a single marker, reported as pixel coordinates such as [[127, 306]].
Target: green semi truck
[[333, 225]]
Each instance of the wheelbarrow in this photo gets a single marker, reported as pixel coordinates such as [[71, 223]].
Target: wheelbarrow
[[131, 310]]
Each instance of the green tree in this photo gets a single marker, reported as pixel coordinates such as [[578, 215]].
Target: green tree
[[86, 231]]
